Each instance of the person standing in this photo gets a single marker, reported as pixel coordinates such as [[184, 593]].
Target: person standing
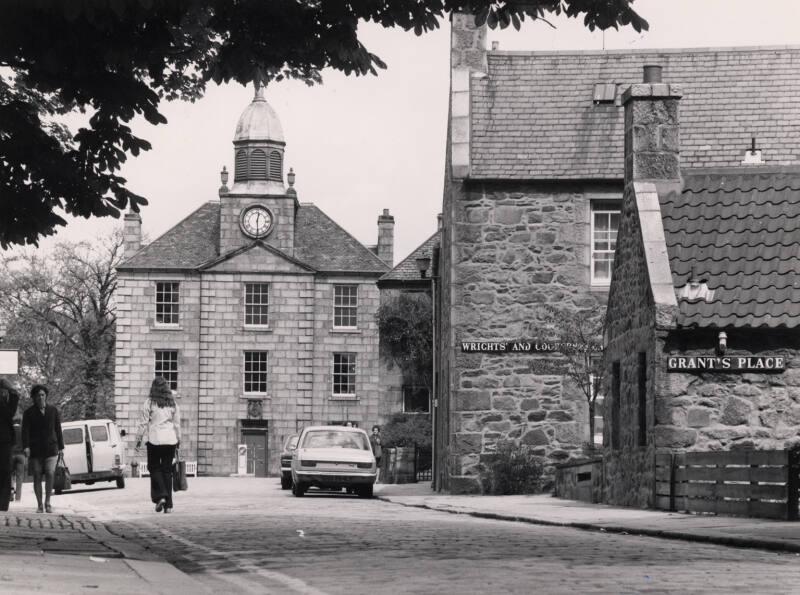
[[9, 400], [160, 422], [42, 443], [377, 449], [19, 463]]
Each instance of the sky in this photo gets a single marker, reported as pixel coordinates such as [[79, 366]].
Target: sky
[[359, 145]]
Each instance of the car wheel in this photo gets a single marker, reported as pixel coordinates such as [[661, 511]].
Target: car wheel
[[365, 492], [286, 483], [120, 482], [299, 489]]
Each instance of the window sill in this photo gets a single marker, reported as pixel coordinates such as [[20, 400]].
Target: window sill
[[597, 288], [256, 329], [255, 396], [346, 331], [343, 398], [166, 327]]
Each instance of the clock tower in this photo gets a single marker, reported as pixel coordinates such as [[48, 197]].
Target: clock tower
[[258, 205]]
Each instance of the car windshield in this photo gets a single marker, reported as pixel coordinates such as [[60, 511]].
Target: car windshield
[[335, 439]]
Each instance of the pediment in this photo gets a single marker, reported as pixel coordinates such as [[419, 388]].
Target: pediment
[[256, 258]]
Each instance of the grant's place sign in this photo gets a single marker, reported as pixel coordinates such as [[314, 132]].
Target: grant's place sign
[[732, 363]]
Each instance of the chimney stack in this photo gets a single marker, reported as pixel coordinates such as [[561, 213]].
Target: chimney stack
[[652, 139], [467, 43], [132, 233], [386, 237]]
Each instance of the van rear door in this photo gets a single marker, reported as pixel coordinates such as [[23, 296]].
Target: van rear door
[[75, 449], [102, 451]]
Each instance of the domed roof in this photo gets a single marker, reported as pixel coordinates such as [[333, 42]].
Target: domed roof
[[259, 121]]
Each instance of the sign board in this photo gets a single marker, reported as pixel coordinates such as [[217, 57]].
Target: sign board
[[727, 363], [242, 459], [9, 361], [527, 346]]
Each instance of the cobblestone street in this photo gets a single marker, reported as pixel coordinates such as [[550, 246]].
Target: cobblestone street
[[248, 536]]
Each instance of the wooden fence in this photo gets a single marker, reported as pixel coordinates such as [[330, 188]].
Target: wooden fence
[[754, 483]]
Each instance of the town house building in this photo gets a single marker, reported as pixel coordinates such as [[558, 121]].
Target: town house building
[[532, 201], [258, 309]]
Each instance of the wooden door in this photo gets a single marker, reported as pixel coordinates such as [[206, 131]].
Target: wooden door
[[256, 441]]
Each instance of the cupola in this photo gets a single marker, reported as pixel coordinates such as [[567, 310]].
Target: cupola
[[258, 149]]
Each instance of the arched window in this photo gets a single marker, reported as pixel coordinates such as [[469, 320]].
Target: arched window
[[275, 166], [240, 171], [258, 165]]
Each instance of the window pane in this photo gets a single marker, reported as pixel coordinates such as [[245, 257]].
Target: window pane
[[344, 373], [99, 433], [167, 302], [167, 367], [72, 435], [605, 221], [256, 304], [345, 306], [255, 371]]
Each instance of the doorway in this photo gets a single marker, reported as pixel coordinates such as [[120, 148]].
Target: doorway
[[256, 441]]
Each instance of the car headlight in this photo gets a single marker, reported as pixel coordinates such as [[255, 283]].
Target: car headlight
[[364, 465], [304, 463]]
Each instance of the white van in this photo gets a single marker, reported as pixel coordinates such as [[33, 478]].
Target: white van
[[93, 451]]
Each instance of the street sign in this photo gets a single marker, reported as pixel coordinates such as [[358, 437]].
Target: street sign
[[9, 361], [731, 363]]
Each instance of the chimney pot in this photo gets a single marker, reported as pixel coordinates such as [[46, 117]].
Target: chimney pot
[[495, 45], [652, 73]]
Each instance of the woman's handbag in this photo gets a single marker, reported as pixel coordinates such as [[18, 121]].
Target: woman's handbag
[[179, 483], [62, 480]]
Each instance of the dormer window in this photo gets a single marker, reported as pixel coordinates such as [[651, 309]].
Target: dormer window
[[695, 290]]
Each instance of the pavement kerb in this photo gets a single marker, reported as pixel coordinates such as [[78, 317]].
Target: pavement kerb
[[761, 544]]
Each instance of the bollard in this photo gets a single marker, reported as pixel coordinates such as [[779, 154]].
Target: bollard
[[135, 469]]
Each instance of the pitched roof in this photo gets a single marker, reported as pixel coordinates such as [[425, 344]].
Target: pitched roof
[[533, 116], [192, 241], [739, 231], [320, 244], [406, 269]]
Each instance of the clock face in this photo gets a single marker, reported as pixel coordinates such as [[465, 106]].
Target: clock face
[[256, 221]]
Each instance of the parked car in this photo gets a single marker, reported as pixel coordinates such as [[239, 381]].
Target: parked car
[[93, 451], [286, 460], [333, 457]]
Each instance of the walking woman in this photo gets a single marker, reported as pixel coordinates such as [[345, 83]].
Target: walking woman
[[160, 427], [42, 442]]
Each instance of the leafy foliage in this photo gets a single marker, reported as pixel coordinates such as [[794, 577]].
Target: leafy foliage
[[115, 59], [406, 334], [512, 469], [60, 315], [406, 430], [584, 330]]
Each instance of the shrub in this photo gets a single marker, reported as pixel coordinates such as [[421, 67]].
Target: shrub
[[405, 430], [512, 469]]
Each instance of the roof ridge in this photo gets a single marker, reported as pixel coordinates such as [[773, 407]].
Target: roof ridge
[[639, 51]]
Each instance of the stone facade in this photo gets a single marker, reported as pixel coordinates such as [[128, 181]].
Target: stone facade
[[301, 258]]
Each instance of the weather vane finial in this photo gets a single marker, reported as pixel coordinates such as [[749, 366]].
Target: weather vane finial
[[259, 84]]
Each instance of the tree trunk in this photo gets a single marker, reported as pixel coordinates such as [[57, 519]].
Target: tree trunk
[[591, 423]]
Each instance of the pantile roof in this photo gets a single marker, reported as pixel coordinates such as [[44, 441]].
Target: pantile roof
[[739, 231], [406, 269], [533, 116], [320, 244]]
